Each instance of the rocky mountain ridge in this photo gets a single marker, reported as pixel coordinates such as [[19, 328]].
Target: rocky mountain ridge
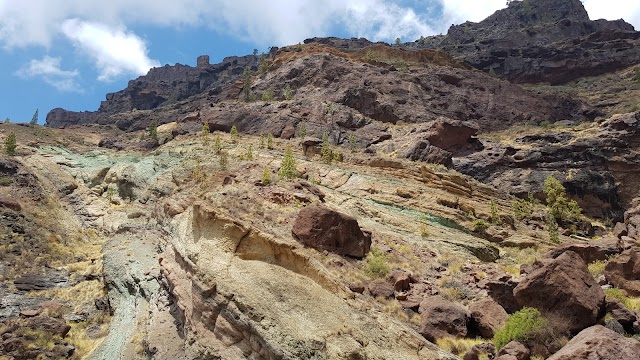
[[541, 41]]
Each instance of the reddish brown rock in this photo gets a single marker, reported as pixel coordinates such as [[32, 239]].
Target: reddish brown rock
[[516, 350], [324, 229], [10, 204], [448, 134], [400, 279], [487, 316], [625, 317], [501, 291], [624, 272], [563, 287], [480, 351], [590, 252], [50, 325], [598, 342], [441, 317], [381, 289]]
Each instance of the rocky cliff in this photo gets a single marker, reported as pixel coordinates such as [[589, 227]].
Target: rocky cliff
[[533, 41]]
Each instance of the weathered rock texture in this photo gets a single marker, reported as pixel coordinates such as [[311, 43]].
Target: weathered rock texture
[[550, 41], [441, 317], [563, 288], [324, 229], [623, 271], [597, 342]]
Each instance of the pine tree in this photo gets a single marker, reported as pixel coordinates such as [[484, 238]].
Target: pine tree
[[10, 144], [262, 141], [288, 93], [326, 152], [34, 119], [266, 176], [223, 160], [234, 134], [288, 166], [217, 144], [494, 216], [270, 142], [353, 142], [246, 88], [249, 154], [153, 131], [205, 132], [552, 227]]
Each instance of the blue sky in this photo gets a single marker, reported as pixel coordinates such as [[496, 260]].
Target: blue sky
[[70, 53]]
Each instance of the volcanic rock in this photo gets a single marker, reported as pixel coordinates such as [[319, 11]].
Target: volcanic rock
[[563, 287], [324, 229], [623, 271], [487, 317], [598, 342], [441, 317]]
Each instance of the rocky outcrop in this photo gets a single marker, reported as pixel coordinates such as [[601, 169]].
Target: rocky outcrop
[[487, 317], [602, 164], [591, 251], [324, 229], [623, 271], [536, 41], [161, 86], [598, 342], [514, 351], [564, 288], [440, 318]]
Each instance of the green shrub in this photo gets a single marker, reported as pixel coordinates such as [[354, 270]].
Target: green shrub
[[223, 160], [5, 181], [266, 176], [10, 144], [288, 167], [558, 202], [262, 141], [552, 228], [288, 93], [153, 130], [376, 263], [270, 142], [326, 152], [217, 144], [494, 215], [522, 209], [302, 131], [234, 134], [519, 327], [353, 142], [268, 95], [479, 226], [204, 134]]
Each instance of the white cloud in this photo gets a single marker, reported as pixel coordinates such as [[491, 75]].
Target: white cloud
[[114, 50], [459, 11], [49, 69], [614, 9], [99, 28]]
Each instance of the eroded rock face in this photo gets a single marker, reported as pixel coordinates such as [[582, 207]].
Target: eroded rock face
[[514, 350], [603, 162], [441, 317], [563, 287], [542, 41], [590, 252], [623, 271], [598, 342], [324, 229]]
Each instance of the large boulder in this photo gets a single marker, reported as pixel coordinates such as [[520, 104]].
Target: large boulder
[[441, 318], [598, 342], [448, 134], [501, 291], [563, 287], [591, 251], [624, 272], [10, 204], [324, 229], [514, 350], [487, 316]]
